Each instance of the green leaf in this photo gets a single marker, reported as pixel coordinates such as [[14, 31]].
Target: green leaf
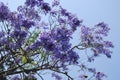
[[34, 62], [24, 59]]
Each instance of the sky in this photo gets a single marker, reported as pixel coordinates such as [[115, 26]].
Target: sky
[[92, 12]]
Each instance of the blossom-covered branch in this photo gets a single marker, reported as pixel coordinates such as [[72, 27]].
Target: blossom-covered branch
[[37, 37]]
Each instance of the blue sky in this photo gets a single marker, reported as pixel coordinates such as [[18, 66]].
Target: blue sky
[[92, 12]]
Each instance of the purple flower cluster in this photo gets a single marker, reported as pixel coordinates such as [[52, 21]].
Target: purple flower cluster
[[19, 35], [56, 76], [55, 3], [16, 77], [92, 38], [34, 46], [18, 38], [27, 23], [70, 19], [31, 3], [4, 12], [102, 29], [29, 13], [45, 7], [28, 40], [31, 76], [58, 38], [57, 41], [39, 3], [100, 75], [2, 34], [19, 21]]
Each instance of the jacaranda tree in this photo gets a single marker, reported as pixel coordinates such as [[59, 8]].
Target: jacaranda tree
[[38, 39]]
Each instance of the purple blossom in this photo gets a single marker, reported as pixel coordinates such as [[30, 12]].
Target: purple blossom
[[31, 3], [100, 75], [29, 13], [61, 20], [18, 60], [19, 36], [75, 23], [60, 36], [4, 41], [2, 34], [64, 12], [108, 44], [4, 12], [43, 24], [54, 13], [85, 31], [14, 46], [55, 3], [107, 52], [16, 77], [16, 20], [72, 56], [101, 50], [47, 41], [86, 36], [27, 23], [83, 77], [93, 70], [91, 58], [91, 39], [45, 7], [102, 28], [31, 76], [56, 76], [34, 46], [57, 41], [39, 3], [24, 18]]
